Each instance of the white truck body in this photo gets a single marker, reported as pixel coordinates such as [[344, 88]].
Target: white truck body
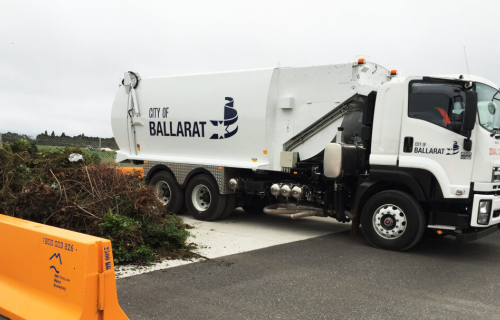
[[273, 105]]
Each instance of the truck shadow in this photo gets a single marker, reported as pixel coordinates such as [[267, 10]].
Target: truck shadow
[[445, 248], [310, 226], [486, 249]]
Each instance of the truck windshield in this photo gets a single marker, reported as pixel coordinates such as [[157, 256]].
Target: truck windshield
[[488, 106]]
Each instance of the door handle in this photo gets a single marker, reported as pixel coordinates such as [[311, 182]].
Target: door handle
[[408, 145]]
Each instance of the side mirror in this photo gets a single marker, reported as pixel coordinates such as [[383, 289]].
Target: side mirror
[[470, 110]]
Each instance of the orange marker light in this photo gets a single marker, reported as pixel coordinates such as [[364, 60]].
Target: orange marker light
[[295, 172], [394, 72], [361, 61], [264, 152], [440, 232], [220, 168]]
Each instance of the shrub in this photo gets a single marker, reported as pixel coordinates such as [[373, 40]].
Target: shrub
[[136, 241]]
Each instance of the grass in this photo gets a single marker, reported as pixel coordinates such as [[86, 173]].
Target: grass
[[105, 156]]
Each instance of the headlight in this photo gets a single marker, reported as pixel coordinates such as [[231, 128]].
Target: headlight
[[483, 216]]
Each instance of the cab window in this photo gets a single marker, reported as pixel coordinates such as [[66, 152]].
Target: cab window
[[442, 104]]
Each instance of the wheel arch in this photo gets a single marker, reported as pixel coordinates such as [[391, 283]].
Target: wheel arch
[[159, 168], [419, 183], [369, 188]]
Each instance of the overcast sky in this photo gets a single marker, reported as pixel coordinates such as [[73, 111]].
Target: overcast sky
[[61, 61]]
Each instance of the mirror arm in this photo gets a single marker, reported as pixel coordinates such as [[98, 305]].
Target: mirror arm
[[468, 142]]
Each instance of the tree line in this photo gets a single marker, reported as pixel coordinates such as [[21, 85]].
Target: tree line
[[45, 139]]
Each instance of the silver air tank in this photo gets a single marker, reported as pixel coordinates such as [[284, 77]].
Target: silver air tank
[[286, 190], [297, 192], [235, 183], [275, 189]]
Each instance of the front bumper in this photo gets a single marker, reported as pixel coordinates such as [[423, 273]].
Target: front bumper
[[474, 235]]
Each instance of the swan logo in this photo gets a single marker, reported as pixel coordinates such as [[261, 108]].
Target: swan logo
[[454, 150], [230, 118]]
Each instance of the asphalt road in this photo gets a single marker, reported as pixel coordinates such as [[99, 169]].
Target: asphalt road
[[328, 277]]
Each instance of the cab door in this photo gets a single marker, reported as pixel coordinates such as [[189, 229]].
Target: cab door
[[431, 137]]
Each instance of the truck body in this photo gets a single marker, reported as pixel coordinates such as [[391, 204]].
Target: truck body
[[352, 141]]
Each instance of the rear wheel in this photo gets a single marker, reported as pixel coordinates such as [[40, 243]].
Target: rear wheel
[[230, 205], [393, 220], [183, 209], [203, 200], [168, 191]]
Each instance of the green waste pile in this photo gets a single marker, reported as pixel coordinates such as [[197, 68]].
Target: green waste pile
[[85, 196]]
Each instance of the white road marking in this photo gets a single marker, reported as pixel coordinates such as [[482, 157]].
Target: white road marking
[[242, 233]]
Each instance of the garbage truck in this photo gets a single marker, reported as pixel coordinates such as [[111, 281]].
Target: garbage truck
[[395, 156]]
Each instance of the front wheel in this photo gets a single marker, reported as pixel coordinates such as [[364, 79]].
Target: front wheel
[[393, 220]]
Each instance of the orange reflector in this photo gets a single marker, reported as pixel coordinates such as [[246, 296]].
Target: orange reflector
[[440, 232], [394, 72], [264, 152], [145, 162], [220, 168], [361, 61]]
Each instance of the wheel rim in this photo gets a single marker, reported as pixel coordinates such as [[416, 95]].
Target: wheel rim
[[163, 192], [389, 221], [201, 197]]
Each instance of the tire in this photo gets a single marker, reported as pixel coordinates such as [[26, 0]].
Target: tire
[[230, 205], [393, 220], [184, 209], [200, 205], [252, 209], [165, 182]]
